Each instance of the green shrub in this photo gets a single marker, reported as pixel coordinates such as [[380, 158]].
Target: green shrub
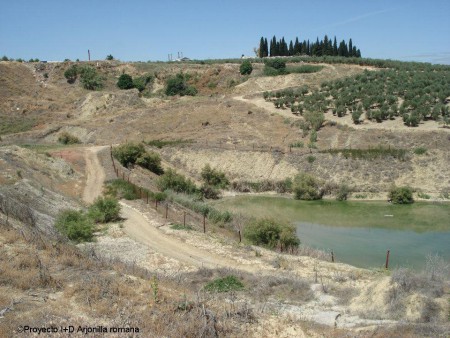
[[128, 153], [90, 79], [66, 138], [109, 57], [307, 187], [125, 82], [150, 161], [209, 192], [177, 85], [420, 151], [246, 68], [214, 177], [423, 195], [71, 74], [104, 210], [343, 192], [178, 226], [271, 234], [311, 159], [176, 182], [119, 188], [162, 143], [75, 225], [140, 83], [304, 69], [226, 284], [297, 145], [401, 195], [275, 63]]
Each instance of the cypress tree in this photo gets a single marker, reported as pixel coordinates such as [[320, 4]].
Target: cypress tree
[[291, 48], [350, 47], [297, 47], [335, 47], [266, 48], [261, 48], [273, 46]]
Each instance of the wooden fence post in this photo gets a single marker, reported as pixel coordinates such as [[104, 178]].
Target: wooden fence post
[[240, 238], [332, 256], [167, 209], [204, 224], [387, 259]]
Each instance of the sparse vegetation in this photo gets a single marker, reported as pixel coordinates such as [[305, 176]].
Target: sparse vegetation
[[125, 82], [71, 74], [420, 151], [164, 143], [369, 154]]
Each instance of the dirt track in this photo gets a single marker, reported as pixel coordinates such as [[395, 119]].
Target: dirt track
[[143, 228]]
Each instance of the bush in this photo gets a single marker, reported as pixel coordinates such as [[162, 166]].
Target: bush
[[141, 82], [307, 187], [275, 63], [104, 210], [401, 195], [214, 177], [177, 85], [75, 225], [246, 68], [271, 234], [420, 151], [90, 79], [125, 82], [343, 192], [66, 138], [176, 182], [110, 57], [71, 74], [150, 161], [128, 153], [228, 283], [209, 192], [121, 189]]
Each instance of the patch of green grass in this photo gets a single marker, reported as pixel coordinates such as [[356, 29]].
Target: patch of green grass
[[14, 124], [297, 144], [226, 284], [163, 143], [420, 216], [420, 151], [178, 226], [304, 69], [423, 195], [369, 154], [121, 189]]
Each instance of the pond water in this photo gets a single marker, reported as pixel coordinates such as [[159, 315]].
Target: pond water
[[366, 247], [359, 232]]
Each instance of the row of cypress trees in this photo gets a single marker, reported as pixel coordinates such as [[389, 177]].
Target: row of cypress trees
[[319, 48]]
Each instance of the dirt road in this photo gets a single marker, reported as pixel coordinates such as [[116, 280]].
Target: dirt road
[[143, 227], [95, 174]]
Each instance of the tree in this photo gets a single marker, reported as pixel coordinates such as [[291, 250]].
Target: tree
[[110, 57], [125, 82], [246, 68], [261, 48], [307, 187], [90, 79], [5, 58], [71, 74], [214, 177]]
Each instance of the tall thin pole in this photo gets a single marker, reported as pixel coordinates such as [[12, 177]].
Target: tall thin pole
[[89, 55]]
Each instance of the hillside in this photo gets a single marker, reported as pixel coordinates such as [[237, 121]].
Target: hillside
[[150, 270]]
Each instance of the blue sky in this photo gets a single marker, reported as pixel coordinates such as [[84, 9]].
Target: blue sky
[[138, 30]]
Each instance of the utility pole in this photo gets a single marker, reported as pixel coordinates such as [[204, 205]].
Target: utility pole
[[89, 55]]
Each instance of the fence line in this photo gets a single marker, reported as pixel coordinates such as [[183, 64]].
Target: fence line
[[180, 214]]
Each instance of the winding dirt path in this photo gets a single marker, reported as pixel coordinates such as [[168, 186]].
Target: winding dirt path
[[143, 227], [95, 174]]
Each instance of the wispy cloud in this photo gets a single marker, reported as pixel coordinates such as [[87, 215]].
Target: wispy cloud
[[357, 18]]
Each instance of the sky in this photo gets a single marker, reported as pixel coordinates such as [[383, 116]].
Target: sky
[[139, 30]]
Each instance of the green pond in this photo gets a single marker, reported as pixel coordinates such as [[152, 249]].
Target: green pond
[[359, 232]]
